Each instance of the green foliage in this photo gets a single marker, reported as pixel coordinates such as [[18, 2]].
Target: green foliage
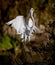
[[14, 42], [5, 42]]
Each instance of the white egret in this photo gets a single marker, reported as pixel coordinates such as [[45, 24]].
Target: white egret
[[25, 30]]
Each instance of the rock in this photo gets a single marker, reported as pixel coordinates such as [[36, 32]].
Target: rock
[[28, 58], [42, 27], [33, 37]]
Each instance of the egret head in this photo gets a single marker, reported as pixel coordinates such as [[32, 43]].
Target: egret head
[[31, 11]]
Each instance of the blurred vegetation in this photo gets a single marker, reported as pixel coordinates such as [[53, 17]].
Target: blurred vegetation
[[41, 52], [5, 42]]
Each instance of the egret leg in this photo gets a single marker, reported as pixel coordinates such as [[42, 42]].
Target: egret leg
[[25, 37], [22, 37], [29, 38]]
